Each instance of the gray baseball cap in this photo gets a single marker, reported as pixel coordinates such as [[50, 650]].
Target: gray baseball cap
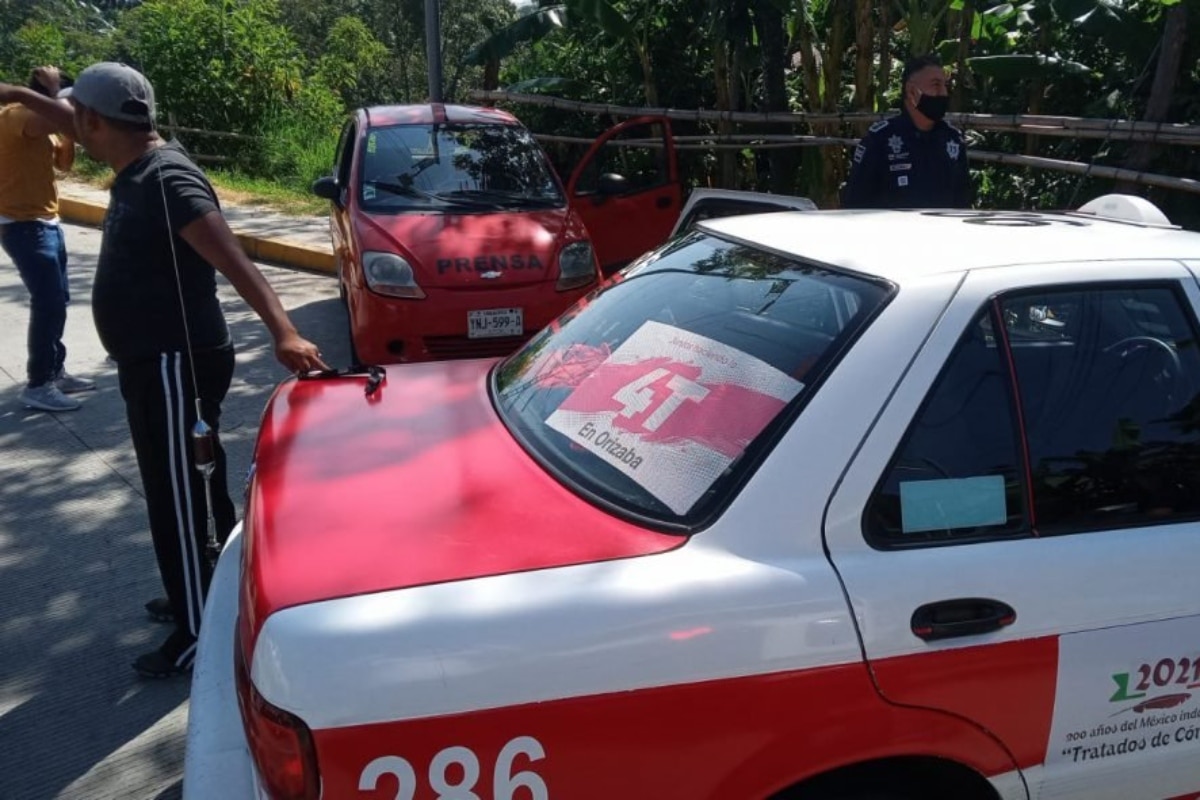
[[115, 91]]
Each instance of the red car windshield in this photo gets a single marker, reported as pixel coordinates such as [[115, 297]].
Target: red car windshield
[[657, 395], [453, 166]]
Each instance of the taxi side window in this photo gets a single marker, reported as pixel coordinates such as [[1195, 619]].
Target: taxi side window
[[1108, 381], [957, 475], [345, 154], [636, 154]]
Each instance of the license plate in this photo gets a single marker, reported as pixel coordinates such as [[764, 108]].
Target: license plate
[[491, 322]]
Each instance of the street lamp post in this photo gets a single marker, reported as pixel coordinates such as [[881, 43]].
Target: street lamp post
[[433, 49]]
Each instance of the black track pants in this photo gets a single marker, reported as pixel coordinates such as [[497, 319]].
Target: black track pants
[[160, 404]]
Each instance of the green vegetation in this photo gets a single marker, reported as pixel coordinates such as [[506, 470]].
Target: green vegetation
[[245, 190], [284, 73], [280, 74]]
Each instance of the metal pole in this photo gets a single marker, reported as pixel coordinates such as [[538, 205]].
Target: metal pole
[[433, 49]]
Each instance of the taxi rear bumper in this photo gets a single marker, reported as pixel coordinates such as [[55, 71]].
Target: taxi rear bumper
[[217, 763]]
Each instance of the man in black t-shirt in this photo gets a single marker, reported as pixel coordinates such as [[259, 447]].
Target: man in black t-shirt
[[163, 236], [915, 159]]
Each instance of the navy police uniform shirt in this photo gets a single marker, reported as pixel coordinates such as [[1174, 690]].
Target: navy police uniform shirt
[[898, 165]]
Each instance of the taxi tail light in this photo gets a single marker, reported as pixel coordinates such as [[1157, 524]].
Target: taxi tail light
[[280, 743]]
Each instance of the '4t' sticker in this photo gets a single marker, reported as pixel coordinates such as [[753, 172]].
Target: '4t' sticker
[[672, 410]]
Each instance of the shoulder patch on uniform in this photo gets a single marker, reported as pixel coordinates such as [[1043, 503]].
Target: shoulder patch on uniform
[[878, 126], [859, 153]]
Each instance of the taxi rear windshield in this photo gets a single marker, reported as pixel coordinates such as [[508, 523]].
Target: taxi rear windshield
[[657, 394], [455, 167]]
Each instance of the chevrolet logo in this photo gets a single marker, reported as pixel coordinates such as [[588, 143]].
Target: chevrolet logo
[[491, 276]]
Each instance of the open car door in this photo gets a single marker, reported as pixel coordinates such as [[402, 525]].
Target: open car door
[[627, 191]]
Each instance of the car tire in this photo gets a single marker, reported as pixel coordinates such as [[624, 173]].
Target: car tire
[[860, 792], [341, 279]]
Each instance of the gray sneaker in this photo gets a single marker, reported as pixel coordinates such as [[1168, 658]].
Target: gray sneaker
[[69, 384], [48, 397]]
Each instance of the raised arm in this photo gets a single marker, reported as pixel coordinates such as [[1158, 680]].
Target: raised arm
[[52, 116]]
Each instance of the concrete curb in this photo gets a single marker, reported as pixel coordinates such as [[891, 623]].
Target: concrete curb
[[274, 251]]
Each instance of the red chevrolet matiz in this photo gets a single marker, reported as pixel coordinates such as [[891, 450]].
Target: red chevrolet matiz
[[455, 238]]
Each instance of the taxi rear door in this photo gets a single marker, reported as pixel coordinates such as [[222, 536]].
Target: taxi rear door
[[627, 190], [1029, 566]]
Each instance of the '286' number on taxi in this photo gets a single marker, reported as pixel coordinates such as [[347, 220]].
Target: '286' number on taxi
[[504, 782]]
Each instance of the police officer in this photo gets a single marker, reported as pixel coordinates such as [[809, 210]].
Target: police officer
[[915, 159]]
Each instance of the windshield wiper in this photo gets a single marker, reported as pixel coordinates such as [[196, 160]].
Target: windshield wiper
[[412, 191], [519, 198]]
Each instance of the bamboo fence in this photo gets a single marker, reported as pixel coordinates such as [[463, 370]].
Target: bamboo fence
[[1022, 124]]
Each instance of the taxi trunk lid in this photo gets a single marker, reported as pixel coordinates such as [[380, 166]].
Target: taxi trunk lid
[[418, 484]]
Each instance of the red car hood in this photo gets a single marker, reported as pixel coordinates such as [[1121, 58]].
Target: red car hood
[[419, 484], [457, 250]]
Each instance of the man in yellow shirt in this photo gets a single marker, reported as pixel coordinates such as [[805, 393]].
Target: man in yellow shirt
[[31, 148]]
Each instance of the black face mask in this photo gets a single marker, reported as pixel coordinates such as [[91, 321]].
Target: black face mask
[[934, 106]]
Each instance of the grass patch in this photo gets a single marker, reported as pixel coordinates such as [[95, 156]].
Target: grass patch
[[242, 190]]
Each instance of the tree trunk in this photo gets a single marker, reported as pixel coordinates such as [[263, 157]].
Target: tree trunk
[[1037, 89], [491, 75], [883, 82], [864, 55], [809, 56], [834, 55], [650, 89], [966, 23], [833, 168], [1162, 92], [724, 103], [774, 64]]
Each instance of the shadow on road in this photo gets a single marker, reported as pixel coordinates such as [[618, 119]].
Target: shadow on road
[[76, 561]]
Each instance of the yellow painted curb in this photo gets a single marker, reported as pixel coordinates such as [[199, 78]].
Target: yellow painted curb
[[287, 254], [275, 251], [81, 212]]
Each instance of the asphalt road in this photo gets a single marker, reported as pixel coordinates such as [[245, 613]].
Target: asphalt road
[[76, 562]]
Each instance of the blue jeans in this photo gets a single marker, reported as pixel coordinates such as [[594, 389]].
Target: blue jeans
[[40, 252]]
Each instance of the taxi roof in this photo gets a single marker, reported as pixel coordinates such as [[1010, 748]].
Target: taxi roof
[[900, 245], [427, 114]]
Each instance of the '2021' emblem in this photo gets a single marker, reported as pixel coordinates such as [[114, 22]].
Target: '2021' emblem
[[505, 782]]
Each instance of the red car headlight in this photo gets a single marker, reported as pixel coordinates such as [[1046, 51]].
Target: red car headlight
[[388, 273], [576, 266]]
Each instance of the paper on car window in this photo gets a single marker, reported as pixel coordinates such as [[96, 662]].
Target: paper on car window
[[672, 410], [945, 504]]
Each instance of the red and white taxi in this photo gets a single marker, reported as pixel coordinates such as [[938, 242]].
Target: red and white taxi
[[454, 238], [816, 506]]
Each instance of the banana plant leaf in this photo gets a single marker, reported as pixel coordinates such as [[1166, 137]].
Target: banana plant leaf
[[1025, 67], [1108, 21], [529, 28], [606, 14]]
